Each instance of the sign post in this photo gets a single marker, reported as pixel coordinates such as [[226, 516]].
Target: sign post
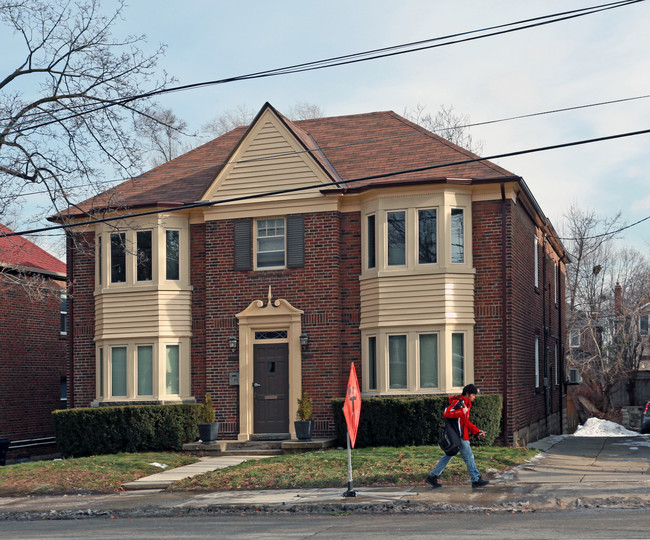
[[352, 412]]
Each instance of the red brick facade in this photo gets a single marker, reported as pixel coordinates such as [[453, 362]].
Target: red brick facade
[[33, 356]]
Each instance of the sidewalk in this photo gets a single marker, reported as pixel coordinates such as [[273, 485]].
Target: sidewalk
[[573, 472]]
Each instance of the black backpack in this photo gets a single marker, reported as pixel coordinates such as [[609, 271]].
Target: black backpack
[[450, 435]]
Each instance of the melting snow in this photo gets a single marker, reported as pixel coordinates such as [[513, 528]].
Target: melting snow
[[595, 427], [161, 465]]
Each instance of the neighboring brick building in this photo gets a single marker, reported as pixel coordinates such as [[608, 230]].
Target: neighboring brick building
[[33, 345], [366, 236]]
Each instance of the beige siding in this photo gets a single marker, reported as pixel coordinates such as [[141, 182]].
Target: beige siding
[[425, 299], [143, 314], [268, 163]]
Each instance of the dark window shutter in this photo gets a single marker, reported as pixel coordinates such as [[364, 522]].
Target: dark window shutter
[[295, 241], [244, 244]]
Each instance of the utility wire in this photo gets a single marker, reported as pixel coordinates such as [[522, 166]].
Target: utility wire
[[151, 174], [333, 184], [361, 56]]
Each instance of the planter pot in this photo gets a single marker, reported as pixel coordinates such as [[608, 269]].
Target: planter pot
[[304, 429], [208, 433]]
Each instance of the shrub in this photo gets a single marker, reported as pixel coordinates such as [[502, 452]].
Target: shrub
[[414, 421], [305, 405], [108, 430], [207, 410]]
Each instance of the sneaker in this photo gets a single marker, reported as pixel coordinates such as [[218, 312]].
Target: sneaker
[[432, 480], [480, 483]]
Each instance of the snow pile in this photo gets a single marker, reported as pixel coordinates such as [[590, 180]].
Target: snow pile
[[161, 465], [595, 427]]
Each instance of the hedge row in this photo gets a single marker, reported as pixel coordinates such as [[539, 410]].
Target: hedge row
[[108, 430], [415, 421]]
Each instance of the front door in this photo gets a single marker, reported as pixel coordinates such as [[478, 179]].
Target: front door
[[271, 388]]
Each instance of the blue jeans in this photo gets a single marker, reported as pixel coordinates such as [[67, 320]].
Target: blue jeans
[[467, 455]]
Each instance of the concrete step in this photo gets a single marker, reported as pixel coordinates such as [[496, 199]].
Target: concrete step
[[257, 448]]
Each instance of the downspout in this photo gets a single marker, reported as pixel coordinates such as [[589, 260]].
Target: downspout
[[504, 317], [71, 326], [545, 330]]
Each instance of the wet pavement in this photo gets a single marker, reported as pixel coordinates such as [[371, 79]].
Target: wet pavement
[[572, 472]]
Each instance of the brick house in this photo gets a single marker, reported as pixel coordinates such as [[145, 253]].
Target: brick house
[[33, 345], [267, 260]]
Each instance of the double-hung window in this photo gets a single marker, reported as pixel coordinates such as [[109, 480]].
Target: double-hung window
[[397, 371], [458, 359], [643, 325], [144, 258], [145, 370], [396, 222], [457, 235], [118, 257], [536, 261], [428, 353], [536, 361], [270, 243], [427, 236], [172, 255]]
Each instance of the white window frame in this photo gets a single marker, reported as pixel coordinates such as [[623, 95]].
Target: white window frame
[[556, 276], [536, 261], [406, 238], [63, 309], [536, 361], [417, 227], [413, 377], [258, 251], [464, 235], [575, 336]]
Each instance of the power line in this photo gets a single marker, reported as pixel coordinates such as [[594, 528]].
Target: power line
[[150, 174], [335, 184], [611, 233], [363, 56]]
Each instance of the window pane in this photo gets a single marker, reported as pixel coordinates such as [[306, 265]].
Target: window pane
[[372, 363], [396, 238], [64, 313], [145, 370], [118, 257], [397, 361], [457, 235], [428, 361], [643, 325], [457, 360], [118, 371], [101, 372], [172, 251], [172, 385], [536, 362], [270, 243], [427, 236], [372, 254], [144, 255]]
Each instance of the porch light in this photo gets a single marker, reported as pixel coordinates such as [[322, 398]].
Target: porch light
[[304, 340], [232, 341]]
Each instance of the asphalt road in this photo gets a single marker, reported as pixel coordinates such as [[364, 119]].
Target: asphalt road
[[575, 525]]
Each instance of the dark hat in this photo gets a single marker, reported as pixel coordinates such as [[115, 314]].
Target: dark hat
[[470, 389]]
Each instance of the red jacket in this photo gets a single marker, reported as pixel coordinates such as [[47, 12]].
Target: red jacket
[[455, 410]]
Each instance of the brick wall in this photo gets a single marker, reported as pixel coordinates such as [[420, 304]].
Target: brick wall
[[326, 289], [530, 311], [33, 356], [81, 312]]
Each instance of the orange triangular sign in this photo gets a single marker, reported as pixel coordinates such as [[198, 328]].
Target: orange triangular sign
[[352, 405]]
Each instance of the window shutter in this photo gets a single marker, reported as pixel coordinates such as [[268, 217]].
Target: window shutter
[[295, 241], [244, 244]]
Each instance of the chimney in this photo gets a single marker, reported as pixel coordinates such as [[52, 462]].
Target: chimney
[[618, 298]]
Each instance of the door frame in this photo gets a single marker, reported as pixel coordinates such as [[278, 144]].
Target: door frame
[[275, 315]]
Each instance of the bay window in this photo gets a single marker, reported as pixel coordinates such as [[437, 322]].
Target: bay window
[[397, 361], [457, 235], [396, 236]]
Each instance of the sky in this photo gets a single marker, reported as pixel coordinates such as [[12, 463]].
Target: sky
[[591, 59]]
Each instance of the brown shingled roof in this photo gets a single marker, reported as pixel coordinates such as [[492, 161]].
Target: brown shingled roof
[[356, 146]]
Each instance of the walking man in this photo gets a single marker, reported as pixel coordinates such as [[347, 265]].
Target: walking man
[[457, 413]]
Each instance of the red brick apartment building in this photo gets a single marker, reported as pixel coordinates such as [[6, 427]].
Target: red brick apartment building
[[33, 345], [268, 260]]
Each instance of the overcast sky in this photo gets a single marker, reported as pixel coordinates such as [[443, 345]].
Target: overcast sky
[[590, 59]]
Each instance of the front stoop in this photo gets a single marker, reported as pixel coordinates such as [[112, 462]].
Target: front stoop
[[259, 448]]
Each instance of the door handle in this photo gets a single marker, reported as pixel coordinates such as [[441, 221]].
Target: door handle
[[256, 385]]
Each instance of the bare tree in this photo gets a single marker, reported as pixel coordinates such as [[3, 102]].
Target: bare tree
[[68, 108], [447, 124], [166, 135], [243, 115], [606, 287]]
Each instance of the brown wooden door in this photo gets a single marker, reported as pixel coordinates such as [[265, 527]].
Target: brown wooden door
[[271, 388]]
